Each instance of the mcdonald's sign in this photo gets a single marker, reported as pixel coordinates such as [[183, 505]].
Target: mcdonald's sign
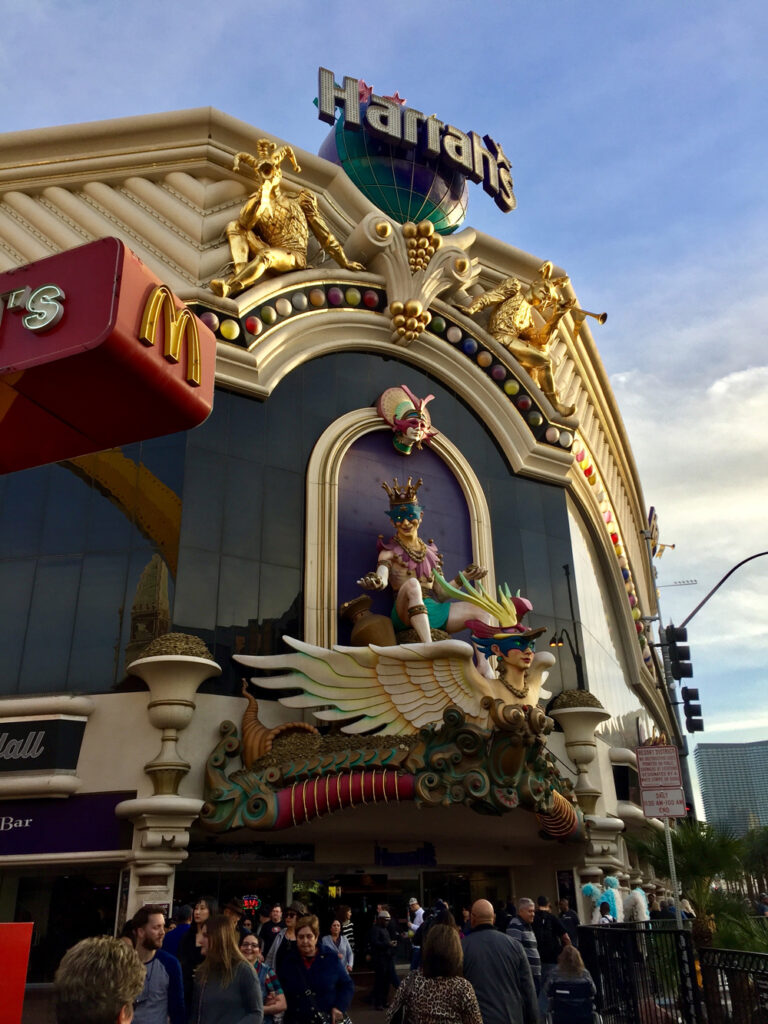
[[96, 352], [178, 325]]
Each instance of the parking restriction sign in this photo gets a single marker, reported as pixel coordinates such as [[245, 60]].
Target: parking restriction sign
[[663, 803], [658, 767]]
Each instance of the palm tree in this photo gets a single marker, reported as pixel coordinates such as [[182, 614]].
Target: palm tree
[[703, 854], [756, 860]]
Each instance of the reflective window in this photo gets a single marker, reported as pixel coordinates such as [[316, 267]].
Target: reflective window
[[88, 552], [204, 532], [604, 660]]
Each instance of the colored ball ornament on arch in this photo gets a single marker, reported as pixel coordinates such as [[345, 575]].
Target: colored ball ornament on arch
[[210, 320], [403, 187], [230, 329]]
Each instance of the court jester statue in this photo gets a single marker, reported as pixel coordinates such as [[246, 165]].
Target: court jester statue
[[272, 229]]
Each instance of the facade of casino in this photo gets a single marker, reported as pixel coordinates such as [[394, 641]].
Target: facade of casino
[[257, 525]]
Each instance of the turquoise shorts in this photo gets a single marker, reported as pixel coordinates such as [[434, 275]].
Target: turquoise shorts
[[438, 612]]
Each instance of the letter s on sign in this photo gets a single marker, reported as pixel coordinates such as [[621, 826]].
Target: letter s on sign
[[44, 308]]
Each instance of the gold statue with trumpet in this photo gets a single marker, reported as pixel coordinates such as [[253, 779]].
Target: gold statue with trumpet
[[525, 317], [272, 229]]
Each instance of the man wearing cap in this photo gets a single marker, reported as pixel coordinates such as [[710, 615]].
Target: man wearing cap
[[415, 918], [497, 968], [382, 947], [234, 911]]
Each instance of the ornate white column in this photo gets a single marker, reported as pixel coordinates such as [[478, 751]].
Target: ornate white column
[[578, 713], [161, 821]]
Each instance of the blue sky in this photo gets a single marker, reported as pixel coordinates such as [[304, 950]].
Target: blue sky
[[638, 142]]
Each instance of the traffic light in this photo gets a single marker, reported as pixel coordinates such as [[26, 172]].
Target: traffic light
[[692, 709], [679, 652]]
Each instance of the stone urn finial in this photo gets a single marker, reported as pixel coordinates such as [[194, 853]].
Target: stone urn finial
[[578, 713], [173, 667]]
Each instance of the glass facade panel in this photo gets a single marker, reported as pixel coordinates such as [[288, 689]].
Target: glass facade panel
[[205, 532], [604, 660], [17, 579], [96, 634], [78, 580], [51, 620]]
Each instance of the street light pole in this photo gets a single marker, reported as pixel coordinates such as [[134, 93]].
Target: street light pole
[[719, 584], [557, 641]]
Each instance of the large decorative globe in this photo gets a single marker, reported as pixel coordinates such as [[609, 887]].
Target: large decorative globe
[[403, 183]]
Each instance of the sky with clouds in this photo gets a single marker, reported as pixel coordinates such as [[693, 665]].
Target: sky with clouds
[[637, 136]]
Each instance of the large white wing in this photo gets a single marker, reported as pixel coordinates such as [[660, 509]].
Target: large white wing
[[402, 688]]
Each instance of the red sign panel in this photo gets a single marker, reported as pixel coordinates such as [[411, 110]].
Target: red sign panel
[[96, 352], [658, 767], [15, 940]]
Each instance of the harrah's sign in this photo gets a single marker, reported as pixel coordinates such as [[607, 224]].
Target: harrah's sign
[[481, 160], [96, 352]]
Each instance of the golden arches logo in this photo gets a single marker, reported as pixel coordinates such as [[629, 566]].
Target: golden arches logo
[[178, 324]]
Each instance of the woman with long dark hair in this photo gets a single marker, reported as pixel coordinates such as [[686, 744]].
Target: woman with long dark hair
[[438, 993], [190, 947], [226, 988]]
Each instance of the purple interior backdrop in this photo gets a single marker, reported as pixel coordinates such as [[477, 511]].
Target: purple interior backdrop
[[363, 505]]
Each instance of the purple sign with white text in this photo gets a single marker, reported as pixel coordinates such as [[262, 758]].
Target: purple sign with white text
[[77, 824]]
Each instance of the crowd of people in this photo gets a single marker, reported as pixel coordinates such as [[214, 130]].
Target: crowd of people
[[504, 965]]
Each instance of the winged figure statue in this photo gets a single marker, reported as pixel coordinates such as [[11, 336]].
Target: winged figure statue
[[400, 689]]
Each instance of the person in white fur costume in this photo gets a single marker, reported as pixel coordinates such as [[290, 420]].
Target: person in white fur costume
[[633, 908]]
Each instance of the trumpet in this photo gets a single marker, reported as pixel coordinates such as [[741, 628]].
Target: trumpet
[[579, 315]]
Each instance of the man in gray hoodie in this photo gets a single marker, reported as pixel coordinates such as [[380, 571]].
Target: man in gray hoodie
[[497, 968]]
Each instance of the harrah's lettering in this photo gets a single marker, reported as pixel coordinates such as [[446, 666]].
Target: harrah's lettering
[[480, 160]]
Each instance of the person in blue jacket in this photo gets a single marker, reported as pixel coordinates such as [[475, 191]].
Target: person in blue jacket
[[316, 984]]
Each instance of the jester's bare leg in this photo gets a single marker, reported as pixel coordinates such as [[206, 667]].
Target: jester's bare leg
[[538, 363], [270, 258], [457, 617], [409, 605], [242, 244]]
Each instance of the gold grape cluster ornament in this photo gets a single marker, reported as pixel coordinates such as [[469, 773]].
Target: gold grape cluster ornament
[[409, 319], [421, 242]]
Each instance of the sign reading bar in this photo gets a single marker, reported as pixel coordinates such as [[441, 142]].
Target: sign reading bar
[[95, 352], [658, 767], [78, 824], [663, 803]]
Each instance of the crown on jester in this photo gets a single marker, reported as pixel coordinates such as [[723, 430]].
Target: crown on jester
[[405, 494]]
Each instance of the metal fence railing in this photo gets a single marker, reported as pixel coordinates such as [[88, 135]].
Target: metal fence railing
[[643, 973], [735, 986]]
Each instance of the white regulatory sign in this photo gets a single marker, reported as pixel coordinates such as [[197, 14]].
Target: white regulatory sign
[[663, 803], [658, 767]]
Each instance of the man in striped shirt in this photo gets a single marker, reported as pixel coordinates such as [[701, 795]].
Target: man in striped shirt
[[520, 928]]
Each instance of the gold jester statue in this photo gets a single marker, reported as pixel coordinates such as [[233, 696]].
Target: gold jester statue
[[525, 317], [272, 229]]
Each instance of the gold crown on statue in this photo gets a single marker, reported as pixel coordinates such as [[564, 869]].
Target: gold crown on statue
[[404, 494]]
